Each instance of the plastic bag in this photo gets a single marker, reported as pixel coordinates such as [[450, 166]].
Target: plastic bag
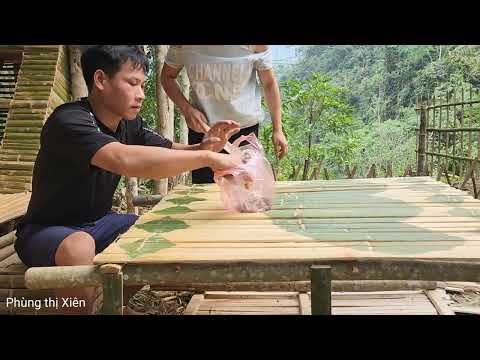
[[250, 186]]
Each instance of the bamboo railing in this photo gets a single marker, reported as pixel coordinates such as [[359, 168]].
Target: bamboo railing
[[448, 137]]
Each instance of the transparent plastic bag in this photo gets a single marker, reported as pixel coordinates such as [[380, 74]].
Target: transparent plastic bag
[[250, 186]]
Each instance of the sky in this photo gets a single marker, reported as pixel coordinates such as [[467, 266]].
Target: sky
[[283, 53]]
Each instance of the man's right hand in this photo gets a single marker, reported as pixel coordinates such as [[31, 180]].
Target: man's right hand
[[220, 161], [196, 120]]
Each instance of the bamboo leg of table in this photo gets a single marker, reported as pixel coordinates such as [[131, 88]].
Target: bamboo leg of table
[[321, 298], [112, 289]]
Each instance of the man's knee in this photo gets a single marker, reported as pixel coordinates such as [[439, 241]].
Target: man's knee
[[76, 249]]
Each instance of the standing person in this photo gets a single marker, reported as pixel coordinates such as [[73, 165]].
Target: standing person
[[223, 83], [86, 146]]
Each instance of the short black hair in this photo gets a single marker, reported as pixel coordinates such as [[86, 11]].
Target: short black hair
[[110, 58]]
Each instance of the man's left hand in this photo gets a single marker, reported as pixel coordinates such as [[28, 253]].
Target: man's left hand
[[218, 135]]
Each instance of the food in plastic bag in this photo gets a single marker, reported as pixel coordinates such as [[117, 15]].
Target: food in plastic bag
[[250, 186]]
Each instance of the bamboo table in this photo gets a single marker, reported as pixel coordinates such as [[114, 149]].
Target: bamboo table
[[361, 229]]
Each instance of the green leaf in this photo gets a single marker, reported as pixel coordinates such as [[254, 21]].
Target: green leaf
[[145, 246], [163, 226], [174, 210], [184, 200]]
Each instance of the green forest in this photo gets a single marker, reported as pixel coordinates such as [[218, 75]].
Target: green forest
[[351, 106]]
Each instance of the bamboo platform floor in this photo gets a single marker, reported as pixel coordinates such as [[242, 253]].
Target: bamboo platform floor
[[413, 302], [380, 218]]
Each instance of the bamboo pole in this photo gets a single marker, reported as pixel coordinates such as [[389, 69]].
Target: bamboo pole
[[454, 135], [321, 296], [302, 286], [112, 289], [422, 142]]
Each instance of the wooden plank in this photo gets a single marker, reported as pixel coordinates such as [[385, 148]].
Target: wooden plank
[[381, 302], [464, 309], [194, 304], [383, 311], [438, 298], [250, 295], [219, 303], [304, 302], [272, 309], [294, 311]]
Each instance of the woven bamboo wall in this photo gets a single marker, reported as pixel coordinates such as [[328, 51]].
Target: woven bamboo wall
[[43, 84]]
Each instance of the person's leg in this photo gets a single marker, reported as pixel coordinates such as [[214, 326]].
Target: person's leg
[[202, 175], [76, 249], [40, 246], [105, 231]]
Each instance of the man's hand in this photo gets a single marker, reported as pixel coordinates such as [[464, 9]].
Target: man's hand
[[196, 120], [216, 138], [280, 144], [218, 161]]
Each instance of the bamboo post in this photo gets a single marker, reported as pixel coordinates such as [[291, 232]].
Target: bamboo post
[[434, 135], [469, 149], [455, 163], [427, 114], [321, 285], [165, 123], [422, 140], [447, 141], [112, 289], [461, 120], [440, 137]]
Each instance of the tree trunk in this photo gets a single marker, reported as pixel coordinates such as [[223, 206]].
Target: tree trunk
[[182, 125], [325, 171], [165, 114], [131, 192], [372, 172], [389, 169], [306, 168], [78, 86]]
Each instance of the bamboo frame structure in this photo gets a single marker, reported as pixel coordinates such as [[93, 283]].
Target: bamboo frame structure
[[446, 136]]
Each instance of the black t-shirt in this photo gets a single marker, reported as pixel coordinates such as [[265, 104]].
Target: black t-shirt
[[66, 188]]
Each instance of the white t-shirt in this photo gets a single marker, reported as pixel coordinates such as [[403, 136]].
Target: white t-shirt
[[223, 81]]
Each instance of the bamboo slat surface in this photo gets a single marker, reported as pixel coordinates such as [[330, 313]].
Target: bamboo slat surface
[[382, 218], [13, 205]]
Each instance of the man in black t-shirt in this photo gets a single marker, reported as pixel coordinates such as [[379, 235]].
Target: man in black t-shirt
[[85, 147]]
